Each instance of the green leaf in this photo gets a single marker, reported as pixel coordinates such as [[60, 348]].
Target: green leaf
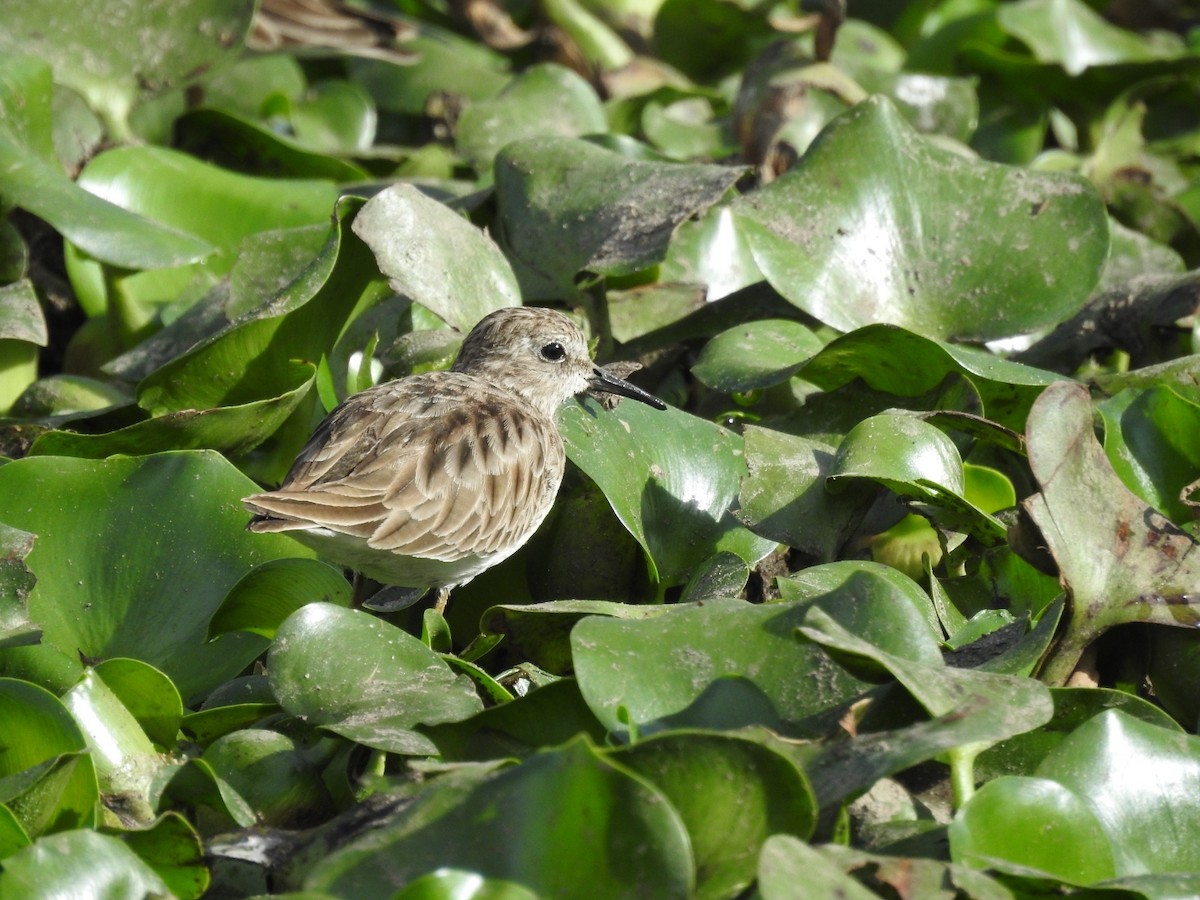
[[274, 774], [725, 665], [1069, 33], [1152, 439], [705, 776], [1120, 560], [81, 862], [756, 355], [125, 759], [46, 778], [33, 180], [16, 581], [869, 227], [216, 206], [435, 257], [534, 824], [268, 594], [364, 679], [1032, 823], [786, 862], [175, 523], [232, 430], [149, 48], [659, 466], [543, 100], [569, 206], [172, 848], [1148, 812]]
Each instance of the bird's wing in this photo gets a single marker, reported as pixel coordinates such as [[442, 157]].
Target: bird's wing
[[438, 466]]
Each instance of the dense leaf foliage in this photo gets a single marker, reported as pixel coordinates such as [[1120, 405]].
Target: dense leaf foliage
[[899, 599]]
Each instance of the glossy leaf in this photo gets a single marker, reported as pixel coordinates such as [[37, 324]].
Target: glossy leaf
[[35, 181], [216, 206], [270, 593], [376, 693], [16, 581], [755, 355], [885, 242], [551, 807], [1120, 560], [149, 47], [1151, 438], [142, 511], [731, 664], [569, 206], [435, 257], [232, 430], [640, 458], [48, 781], [80, 862], [706, 775], [1071, 34], [543, 100]]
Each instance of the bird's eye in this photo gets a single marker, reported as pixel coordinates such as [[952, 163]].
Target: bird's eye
[[553, 351]]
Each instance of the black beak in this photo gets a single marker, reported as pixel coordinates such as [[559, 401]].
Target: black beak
[[610, 384]]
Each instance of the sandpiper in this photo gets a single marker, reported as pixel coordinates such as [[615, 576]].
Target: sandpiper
[[426, 481]]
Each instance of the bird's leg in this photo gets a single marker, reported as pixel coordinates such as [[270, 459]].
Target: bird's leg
[[443, 594]]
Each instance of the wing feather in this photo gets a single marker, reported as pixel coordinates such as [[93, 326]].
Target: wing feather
[[440, 466]]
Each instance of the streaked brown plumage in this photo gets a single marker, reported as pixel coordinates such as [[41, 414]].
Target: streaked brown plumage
[[428, 480]]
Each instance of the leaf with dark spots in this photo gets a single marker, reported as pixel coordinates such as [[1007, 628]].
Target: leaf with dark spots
[[568, 206], [1121, 560]]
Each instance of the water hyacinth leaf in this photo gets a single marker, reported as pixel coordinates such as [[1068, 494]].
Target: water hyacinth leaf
[[333, 116], [435, 257], [34, 180], [890, 609], [545, 717], [461, 885], [148, 694], [550, 806], [268, 594], [904, 363], [1146, 813], [173, 849], [241, 143], [704, 775], [125, 758], [1152, 439], [49, 779], [1012, 705], [445, 62], [1032, 823], [196, 784], [712, 252], [364, 679], [214, 205], [233, 430], [1120, 560], [540, 632], [86, 863], [16, 581], [569, 206], [149, 47], [784, 497], [758, 354], [903, 453], [643, 460], [1071, 34], [273, 774], [544, 99], [236, 362], [140, 510], [717, 665], [787, 861], [884, 240]]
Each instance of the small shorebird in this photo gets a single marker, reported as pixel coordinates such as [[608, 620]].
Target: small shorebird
[[426, 481]]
